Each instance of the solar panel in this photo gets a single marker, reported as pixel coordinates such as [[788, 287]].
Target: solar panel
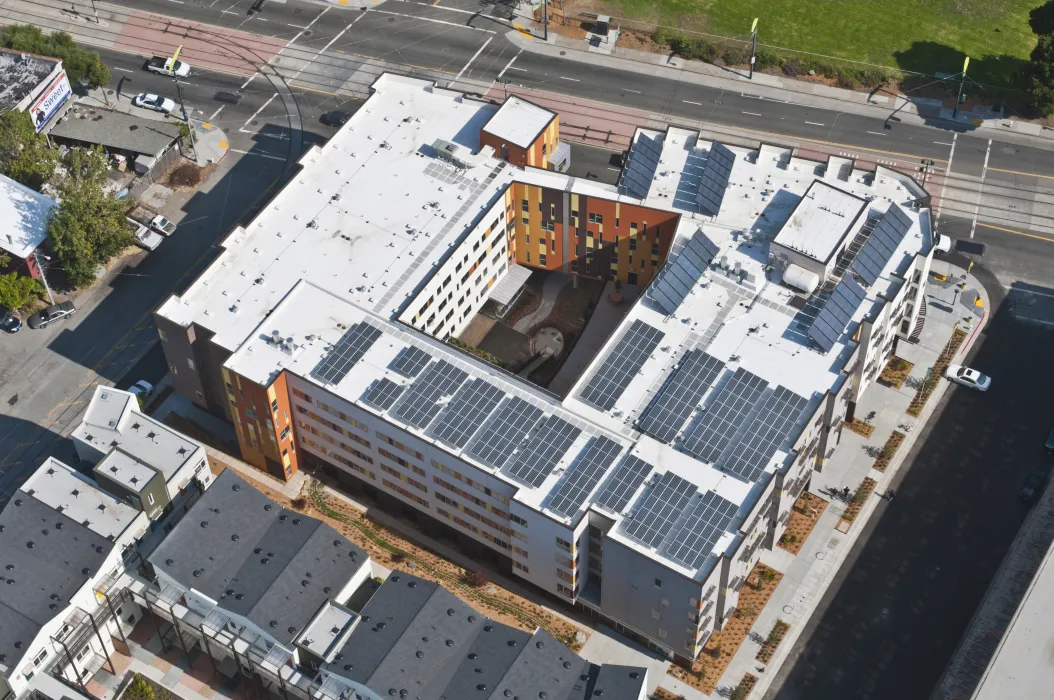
[[421, 403], [503, 433], [583, 475], [640, 168], [682, 271], [624, 361], [543, 450], [882, 244], [680, 395], [624, 481], [707, 520], [706, 438], [410, 361], [652, 520], [383, 394], [836, 313], [768, 430], [714, 180], [345, 353], [466, 412]]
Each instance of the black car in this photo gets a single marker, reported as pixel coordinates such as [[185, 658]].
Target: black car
[[1033, 485], [335, 118], [51, 314], [9, 322]]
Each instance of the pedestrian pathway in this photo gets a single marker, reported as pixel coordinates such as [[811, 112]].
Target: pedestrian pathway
[[807, 575], [551, 288]]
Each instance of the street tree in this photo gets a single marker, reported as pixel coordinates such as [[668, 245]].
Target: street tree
[[1041, 75], [77, 61], [17, 290], [24, 154], [88, 227], [1041, 19]]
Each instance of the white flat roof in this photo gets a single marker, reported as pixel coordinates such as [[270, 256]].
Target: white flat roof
[[821, 221], [23, 217], [519, 122], [80, 498], [361, 262]]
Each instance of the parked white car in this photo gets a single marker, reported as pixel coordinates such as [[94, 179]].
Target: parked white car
[[968, 377], [162, 225], [142, 388], [157, 103]]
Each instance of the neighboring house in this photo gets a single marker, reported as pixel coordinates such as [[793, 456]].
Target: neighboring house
[[34, 84], [64, 544], [142, 141], [24, 215], [143, 460]]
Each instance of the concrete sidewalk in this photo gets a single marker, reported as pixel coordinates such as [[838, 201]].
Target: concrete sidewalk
[[808, 574], [913, 111]]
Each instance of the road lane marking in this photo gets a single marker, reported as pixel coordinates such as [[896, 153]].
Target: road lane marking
[[429, 19], [877, 133], [522, 70], [444, 7], [249, 80], [269, 100], [296, 26], [753, 114], [213, 118], [947, 175], [509, 64], [628, 90], [310, 89], [1018, 172], [474, 57], [573, 80], [259, 155], [945, 143], [815, 123], [124, 70], [689, 102], [980, 189], [1016, 233], [326, 47]]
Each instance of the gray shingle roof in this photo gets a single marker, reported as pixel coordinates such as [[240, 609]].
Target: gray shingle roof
[[45, 558], [118, 130], [272, 565]]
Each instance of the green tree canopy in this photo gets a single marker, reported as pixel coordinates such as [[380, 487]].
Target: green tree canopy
[[78, 62], [24, 154], [1041, 75], [1041, 19], [18, 290], [88, 227]]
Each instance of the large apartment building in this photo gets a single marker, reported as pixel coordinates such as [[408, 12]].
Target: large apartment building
[[774, 288]]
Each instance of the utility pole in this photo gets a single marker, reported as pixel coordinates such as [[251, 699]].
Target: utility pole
[[545, 20], [43, 277], [753, 47], [962, 84], [179, 94]]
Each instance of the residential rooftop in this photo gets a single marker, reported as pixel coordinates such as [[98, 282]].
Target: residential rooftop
[[717, 303], [519, 122], [415, 639], [821, 221], [113, 420], [78, 497], [20, 75], [272, 565], [23, 217], [117, 130]]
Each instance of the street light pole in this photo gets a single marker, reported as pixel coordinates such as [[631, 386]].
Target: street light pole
[[962, 84], [43, 277], [545, 20], [753, 47], [190, 127]]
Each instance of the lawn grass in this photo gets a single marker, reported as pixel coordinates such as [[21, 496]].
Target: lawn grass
[[925, 36]]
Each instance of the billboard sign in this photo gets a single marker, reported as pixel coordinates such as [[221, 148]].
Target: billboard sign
[[50, 100]]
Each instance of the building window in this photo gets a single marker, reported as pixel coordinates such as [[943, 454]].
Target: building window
[[528, 254], [541, 260], [563, 544], [616, 222], [521, 567], [525, 205], [518, 520], [39, 659], [285, 433], [274, 406], [526, 236], [658, 583]]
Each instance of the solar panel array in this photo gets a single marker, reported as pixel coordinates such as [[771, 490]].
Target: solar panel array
[[768, 430], [421, 403], [346, 352], [503, 433], [410, 361], [680, 395], [618, 369], [682, 272], [714, 181], [545, 448], [383, 394], [643, 161], [836, 313], [881, 244], [695, 539], [707, 437], [583, 475], [660, 509], [466, 412], [624, 482]]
